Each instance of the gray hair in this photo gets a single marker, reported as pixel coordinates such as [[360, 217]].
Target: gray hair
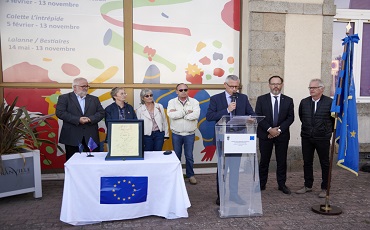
[[318, 81], [232, 77], [76, 81], [143, 93], [114, 92]]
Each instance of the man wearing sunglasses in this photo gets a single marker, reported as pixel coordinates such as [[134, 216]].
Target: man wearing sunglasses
[[183, 112], [80, 113], [230, 103]]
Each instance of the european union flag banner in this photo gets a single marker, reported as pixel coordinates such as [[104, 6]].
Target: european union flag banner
[[80, 147], [123, 190], [92, 145], [344, 104]]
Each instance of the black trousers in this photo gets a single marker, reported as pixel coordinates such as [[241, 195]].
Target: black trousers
[[70, 149], [309, 145], [232, 164], [281, 149]]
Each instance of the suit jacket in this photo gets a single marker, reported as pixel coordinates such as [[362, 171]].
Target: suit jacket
[[68, 109], [285, 119], [218, 107], [159, 117]]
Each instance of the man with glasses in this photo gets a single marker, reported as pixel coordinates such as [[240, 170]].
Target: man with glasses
[[278, 110], [80, 113], [230, 103], [316, 130], [183, 112]]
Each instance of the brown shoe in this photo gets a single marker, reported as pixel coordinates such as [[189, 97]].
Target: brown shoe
[[192, 180]]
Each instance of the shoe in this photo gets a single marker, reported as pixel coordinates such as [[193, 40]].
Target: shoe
[[218, 201], [263, 187], [285, 189], [192, 180], [322, 194], [237, 199], [304, 190]]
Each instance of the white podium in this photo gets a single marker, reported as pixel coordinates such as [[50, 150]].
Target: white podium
[[238, 176]]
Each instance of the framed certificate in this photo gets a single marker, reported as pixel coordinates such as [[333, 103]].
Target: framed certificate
[[125, 140]]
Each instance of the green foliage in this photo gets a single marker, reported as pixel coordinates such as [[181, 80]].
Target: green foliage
[[18, 130]]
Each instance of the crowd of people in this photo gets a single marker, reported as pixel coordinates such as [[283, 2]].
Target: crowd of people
[[81, 113]]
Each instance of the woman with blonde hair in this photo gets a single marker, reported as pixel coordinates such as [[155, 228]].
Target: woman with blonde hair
[[155, 122]]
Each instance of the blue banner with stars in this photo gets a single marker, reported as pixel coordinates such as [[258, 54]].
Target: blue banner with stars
[[344, 104], [123, 190]]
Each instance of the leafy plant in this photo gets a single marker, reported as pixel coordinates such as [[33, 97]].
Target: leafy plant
[[18, 130]]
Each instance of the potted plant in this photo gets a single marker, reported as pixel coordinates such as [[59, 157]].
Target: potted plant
[[20, 170]]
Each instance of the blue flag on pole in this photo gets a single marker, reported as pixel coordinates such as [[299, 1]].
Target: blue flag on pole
[[92, 145], [344, 104], [80, 147], [123, 190]]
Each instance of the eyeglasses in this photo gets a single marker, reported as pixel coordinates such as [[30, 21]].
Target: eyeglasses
[[185, 90], [314, 87], [147, 96], [233, 87], [84, 86], [276, 84]]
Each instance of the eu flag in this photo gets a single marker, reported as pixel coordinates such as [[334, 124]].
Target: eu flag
[[92, 145], [123, 190], [344, 104], [80, 147]]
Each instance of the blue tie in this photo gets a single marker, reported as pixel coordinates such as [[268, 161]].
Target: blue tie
[[276, 112]]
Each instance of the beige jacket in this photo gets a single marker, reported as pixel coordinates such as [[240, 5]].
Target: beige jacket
[[159, 117], [181, 122]]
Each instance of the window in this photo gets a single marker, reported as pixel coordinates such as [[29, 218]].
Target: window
[[358, 14]]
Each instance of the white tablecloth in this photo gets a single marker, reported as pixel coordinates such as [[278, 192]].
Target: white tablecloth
[[166, 196]]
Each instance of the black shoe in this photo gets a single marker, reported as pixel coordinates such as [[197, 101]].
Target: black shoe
[[284, 189], [237, 199], [218, 201], [263, 187]]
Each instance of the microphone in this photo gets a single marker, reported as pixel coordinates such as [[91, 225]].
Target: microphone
[[233, 99]]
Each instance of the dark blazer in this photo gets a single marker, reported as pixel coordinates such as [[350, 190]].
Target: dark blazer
[[69, 111], [285, 119], [112, 114], [218, 107]]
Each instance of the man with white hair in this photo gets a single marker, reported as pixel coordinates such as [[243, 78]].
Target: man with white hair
[[80, 113]]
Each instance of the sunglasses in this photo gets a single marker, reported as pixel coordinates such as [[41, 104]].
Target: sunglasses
[[147, 96], [185, 90]]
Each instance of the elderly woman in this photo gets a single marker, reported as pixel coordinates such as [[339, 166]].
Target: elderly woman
[[119, 109], [155, 122]]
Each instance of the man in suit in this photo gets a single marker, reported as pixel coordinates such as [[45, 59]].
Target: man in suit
[[80, 113], [316, 130], [278, 110], [230, 103]]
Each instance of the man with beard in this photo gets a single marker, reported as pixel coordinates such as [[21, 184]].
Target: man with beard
[[278, 110], [80, 113]]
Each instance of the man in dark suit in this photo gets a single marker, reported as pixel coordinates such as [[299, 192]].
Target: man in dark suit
[[80, 113], [278, 110], [226, 104]]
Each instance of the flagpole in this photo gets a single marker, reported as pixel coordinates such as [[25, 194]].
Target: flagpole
[[327, 209]]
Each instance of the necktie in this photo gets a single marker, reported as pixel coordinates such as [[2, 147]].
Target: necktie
[[276, 112]]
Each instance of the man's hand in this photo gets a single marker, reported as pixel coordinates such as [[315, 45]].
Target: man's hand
[[231, 106], [274, 132], [84, 120], [209, 152], [173, 110], [190, 111]]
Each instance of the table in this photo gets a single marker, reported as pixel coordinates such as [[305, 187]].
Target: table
[[166, 194]]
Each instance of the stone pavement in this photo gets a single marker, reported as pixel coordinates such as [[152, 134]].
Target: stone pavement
[[280, 211]]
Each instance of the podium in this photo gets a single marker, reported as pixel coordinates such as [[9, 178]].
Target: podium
[[238, 175]]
